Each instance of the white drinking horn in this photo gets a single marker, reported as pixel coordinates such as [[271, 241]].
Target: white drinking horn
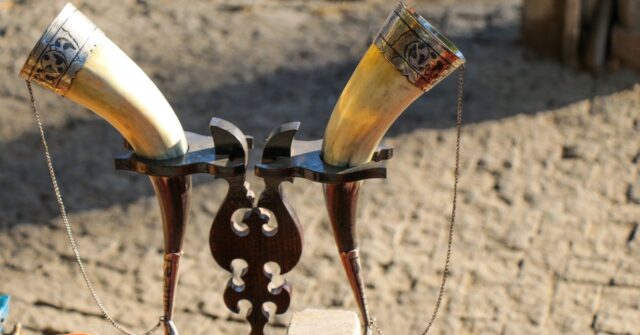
[[407, 58], [76, 60]]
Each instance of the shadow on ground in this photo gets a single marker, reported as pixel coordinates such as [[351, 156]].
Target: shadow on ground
[[502, 80]]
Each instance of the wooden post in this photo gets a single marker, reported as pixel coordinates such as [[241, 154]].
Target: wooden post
[[586, 33], [629, 14], [625, 47], [625, 39], [542, 25], [571, 32], [595, 56]]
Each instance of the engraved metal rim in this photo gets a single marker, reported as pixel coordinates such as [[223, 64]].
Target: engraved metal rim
[[59, 21], [430, 30], [62, 50]]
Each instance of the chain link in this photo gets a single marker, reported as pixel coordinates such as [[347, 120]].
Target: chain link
[[67, 226], [459, 102]]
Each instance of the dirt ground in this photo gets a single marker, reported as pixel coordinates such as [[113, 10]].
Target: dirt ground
[[547, 240]]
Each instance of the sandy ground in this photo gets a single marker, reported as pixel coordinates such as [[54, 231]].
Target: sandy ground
[[547, 239]]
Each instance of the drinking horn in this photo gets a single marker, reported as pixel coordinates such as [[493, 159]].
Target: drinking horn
[[76, 60], [407, 58]]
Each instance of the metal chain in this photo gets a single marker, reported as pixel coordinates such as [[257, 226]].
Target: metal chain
[[67, 226], [459, 102]]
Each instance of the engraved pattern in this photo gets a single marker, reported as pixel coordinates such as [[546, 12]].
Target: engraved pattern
[[62, 50], [419, 54], [55, 60]]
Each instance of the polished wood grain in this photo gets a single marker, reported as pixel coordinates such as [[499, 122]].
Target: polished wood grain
[[173, 195]]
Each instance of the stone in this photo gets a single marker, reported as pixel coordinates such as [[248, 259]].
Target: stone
[[625, 321], [586, 270], [633, 192], [573, 307], [324, 322]]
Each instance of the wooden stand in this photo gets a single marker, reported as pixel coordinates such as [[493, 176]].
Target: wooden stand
[[625, 39], [255, 250]]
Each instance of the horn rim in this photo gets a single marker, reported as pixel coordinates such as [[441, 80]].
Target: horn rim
[[431, 30], [83, 35], [416, 48]]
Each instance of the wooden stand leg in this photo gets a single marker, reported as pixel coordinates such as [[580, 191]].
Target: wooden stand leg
[[173, 195], [342, 201]]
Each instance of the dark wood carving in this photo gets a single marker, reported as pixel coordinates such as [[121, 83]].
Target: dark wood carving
[[257, 242], [267, 241], [256, 239], [302, 159]]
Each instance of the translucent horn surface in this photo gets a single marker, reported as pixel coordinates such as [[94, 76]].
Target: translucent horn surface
[[76, 60], [407, 58]]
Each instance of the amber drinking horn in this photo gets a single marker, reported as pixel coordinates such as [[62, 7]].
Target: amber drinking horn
[[76, 60], [407, 58]]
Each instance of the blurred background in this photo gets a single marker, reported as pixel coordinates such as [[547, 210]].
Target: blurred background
[[547, 239]]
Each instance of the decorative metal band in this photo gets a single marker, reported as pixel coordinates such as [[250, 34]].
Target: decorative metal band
[[62, 50], [416, 48], [351, 260]]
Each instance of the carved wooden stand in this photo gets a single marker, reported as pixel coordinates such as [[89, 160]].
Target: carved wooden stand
[[256, 250]]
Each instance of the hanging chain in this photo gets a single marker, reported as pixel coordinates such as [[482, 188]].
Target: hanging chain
[[67, 226], [459, 102]]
